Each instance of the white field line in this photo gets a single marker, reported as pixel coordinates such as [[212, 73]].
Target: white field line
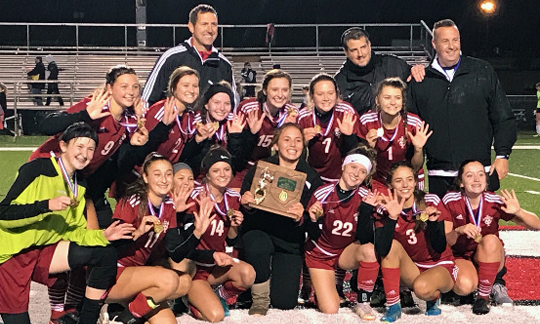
[[522, 176], [532, 192], [17, 149]]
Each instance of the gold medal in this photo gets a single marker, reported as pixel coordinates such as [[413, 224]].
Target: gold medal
[[423, 217], [317, 128], [158, 228], [74, 203], [318, 213], [215, 125], [283, 195], [230, 213], [292, 112], [380, 132], [140, 123], [478, 238], [198, 124]]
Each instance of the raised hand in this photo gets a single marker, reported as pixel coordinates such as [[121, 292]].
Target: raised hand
[[511, 203], [346, 126], [169, 113], [255, 122], [237, 124], [393, 204], [98, 101], [139, 106], [59, 203], [315, 211], [422, 135], [117, 231], [181, 196], [372, 198]]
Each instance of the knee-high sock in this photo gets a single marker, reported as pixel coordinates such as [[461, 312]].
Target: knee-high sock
[[486, 277], [141, 305], [228, 290], [390, 278]]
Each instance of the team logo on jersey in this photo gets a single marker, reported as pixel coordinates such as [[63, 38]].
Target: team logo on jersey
[[488, 220], [401, 142], [355, 217], [165, 225], [337, 132], [459, 217], [331, 211]]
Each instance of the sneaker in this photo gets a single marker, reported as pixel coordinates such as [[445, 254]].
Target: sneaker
[[64, 317], [480, 306], [343, 300], [364, 311], [406, 298], [393, 313], [104, 318], [179, 307], [304, 295], [223, 302], [432, 308], [499, 295]]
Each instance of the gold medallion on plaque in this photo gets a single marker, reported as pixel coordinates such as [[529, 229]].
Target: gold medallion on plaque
[[283, 195]]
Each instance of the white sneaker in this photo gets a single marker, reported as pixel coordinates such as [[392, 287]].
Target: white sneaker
[[499, 295], [104, 317]]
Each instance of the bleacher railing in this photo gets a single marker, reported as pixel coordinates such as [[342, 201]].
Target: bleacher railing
[[410, 37]]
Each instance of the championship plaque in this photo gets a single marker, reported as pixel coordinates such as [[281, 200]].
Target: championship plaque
[[276, 189]]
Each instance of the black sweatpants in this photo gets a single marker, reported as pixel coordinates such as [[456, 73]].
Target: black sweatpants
[[273, 261]]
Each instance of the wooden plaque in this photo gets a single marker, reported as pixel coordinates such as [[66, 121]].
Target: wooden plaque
[[283, 188]]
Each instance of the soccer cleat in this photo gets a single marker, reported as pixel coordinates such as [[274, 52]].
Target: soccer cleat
[[450, 298], [223, 302], [480, 306], [432, 308], [378, 298], [393, 313], [364, 311], [499, 295], [304, 295]]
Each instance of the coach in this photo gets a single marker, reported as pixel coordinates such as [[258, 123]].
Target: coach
[[464, 104], [197, 53]]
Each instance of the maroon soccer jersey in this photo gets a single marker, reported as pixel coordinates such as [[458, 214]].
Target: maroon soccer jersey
[[221, 135], [324, 153], [182, 130], [414, 242], [340, 220], [139, 251], [392, 146], [262, 148], [111, 134], [490, 213], [217, 231]]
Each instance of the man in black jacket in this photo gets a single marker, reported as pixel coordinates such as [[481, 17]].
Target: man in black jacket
[[467, 109], [197, 52], [359, 76], [36, 88], [465, 105], [52, 87]]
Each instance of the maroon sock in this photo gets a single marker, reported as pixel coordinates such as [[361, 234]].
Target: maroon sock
[[228, 290], [140, 306]]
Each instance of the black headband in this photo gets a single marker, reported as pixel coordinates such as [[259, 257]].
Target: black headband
[[214, 156], [217, 88]]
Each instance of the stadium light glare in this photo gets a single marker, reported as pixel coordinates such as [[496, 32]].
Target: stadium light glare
[[488, 7]]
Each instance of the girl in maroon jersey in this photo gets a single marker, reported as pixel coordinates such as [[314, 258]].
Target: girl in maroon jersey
[[475, 240], [330, 127], [396, 134], [410, 239], [184, 91], [215, 125], [216, 269], [271, 109], [143, 287], [341, 233]]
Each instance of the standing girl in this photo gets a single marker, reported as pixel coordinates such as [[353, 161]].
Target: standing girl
[[396, 134]]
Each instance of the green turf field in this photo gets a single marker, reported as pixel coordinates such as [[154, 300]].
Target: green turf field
[[523, 162]]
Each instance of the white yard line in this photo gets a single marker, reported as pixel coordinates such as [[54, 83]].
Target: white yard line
[[522, 176], [17, 149]]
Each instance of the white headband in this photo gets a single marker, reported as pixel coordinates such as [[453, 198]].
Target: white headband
[[358, 158]]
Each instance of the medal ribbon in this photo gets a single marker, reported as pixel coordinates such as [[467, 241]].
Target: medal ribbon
[[395, 131], [328, 126], [151, 209], [72, 185], [324, 202], [218, 209], [478, 217], [281, 113]]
